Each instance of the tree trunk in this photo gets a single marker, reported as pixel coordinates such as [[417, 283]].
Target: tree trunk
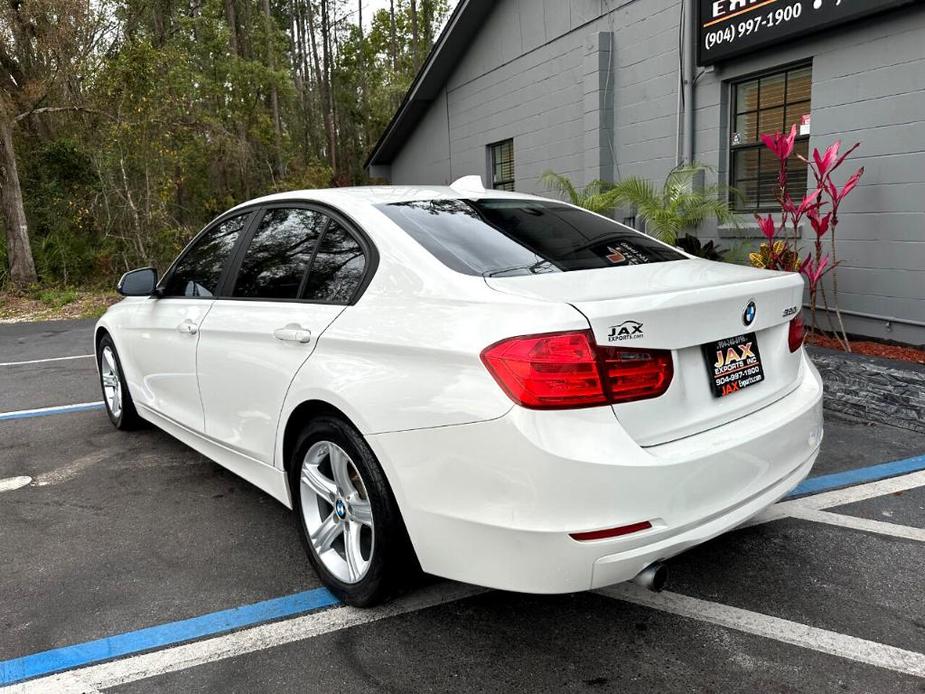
[[323, 84], [22, 266], [274, 94], [234, 44], [232, 18], [394, 41], [415, 43], [364, 86]]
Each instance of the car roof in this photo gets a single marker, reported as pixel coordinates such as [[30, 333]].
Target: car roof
[[382, 195]]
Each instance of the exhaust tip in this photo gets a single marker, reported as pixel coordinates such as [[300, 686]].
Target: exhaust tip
[[653, 577]]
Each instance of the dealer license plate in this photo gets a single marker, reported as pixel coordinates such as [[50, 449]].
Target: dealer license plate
[[733, 364]]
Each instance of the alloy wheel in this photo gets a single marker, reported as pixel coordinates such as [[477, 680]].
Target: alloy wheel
[[112, 382], [337, 512]]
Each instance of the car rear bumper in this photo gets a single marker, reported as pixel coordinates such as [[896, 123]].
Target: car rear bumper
[[494, 503]]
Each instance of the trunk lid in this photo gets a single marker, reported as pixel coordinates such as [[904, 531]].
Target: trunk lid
[[681, 306]]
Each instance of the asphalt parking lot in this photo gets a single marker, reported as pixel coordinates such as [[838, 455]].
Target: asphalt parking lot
[[132, 545]]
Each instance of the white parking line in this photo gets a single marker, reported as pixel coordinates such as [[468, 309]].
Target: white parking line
[[872, 526], [44, 361], [242, 642], [11, 483], [861, 492], [839, 497], [813, 638]]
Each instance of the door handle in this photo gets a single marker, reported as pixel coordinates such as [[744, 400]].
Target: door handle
[[188, 327], [293, 333]]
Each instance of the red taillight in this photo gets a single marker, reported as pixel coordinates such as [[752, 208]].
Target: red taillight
[[796, 334], [636, 374], [551, 371], [568, 370]]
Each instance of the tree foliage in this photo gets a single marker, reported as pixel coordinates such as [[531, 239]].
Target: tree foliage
[[134, 122]]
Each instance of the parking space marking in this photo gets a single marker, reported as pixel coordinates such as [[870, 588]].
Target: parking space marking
[[872, 526], [248, 640], [90, 662], [813, 638], [69, 471], [11, 483], [79, 655], [45, 411], [861, 492], [872, 473], [44, 361], [839, 497]]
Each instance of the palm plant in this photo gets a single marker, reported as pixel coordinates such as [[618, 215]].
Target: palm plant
[[665, 211], [677, 206], [594, 197]]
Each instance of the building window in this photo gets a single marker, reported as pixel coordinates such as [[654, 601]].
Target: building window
[[767, 104], [502, 165]]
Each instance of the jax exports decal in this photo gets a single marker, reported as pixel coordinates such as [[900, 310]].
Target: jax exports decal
[[727, 28], [627, 330]]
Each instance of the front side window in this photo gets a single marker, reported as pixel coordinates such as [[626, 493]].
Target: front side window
[[338, 267], [766, 105], [199, 272], [502, 165], [497, 238], [277, 257]]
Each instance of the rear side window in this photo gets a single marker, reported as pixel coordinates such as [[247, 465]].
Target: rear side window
[[338, 267], [520, 237], [277, 257], [199, 271]]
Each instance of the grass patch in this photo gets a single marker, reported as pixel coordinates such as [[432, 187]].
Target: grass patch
[[57, 298], [54, 303]]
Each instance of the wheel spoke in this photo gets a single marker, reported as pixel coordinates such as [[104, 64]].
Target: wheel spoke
[[109, 380], [340, 467], [327, 532], [361, 511], [313, 478], [110, 360], [352, 552]]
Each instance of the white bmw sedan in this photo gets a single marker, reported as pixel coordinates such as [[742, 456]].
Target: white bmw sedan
[[496, 388]]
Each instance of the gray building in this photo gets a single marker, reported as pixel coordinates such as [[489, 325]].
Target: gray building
[[613, 88]]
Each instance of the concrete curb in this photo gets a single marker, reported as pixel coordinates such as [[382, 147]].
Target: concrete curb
[[872, 389]]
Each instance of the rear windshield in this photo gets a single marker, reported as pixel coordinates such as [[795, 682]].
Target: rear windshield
[[497, 238]]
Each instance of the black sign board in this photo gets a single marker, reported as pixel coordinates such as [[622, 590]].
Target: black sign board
[[727, 28]]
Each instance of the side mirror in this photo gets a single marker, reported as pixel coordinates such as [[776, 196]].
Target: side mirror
[[138, 282]]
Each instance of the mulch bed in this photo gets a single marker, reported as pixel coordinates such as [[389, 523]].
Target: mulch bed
[[871, 349]]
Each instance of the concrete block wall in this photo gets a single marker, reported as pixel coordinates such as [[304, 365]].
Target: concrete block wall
[[868, 87], [540, 72]]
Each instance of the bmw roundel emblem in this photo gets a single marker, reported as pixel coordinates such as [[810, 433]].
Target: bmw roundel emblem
[[340, 508], [748, 316]]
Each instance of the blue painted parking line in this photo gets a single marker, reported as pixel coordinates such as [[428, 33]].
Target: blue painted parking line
[[848, 478], [170, 634], [45, 411]]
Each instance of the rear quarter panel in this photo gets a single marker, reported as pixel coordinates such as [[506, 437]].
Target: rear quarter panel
[[394, 365]]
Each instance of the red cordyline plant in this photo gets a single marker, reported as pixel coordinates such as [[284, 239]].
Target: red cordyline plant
[[781, 251]]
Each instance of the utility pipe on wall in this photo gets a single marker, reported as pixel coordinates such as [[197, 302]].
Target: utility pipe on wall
[[690, 53]]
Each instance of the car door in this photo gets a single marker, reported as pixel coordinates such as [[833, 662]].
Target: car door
[[297, 271], [165, 328]]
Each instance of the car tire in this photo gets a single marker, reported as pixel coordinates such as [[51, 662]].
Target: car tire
[[331, 513], [116, 397]]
